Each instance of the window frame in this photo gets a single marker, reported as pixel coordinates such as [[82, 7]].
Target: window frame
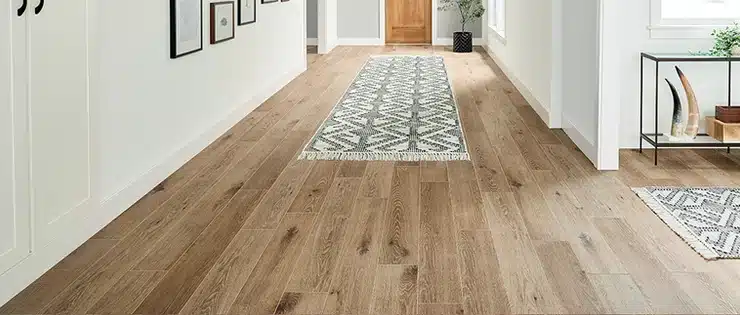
[[498, 24], [682, 28]]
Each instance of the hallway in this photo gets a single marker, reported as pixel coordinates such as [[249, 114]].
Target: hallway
[[528, 227]]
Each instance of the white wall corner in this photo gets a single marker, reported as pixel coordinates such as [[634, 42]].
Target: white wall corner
[[540, 109], [610, 74], [327, 28], [587, 147], [556, 82]]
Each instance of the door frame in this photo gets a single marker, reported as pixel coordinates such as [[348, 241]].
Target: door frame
[[382, 21]]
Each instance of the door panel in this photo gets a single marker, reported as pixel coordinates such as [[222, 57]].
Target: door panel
[[15, 228], [60, 122], [408, 21]]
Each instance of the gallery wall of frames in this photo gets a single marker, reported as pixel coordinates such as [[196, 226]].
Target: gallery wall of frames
[[186, 22]]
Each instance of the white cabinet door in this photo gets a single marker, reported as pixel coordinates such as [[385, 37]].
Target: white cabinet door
[[15, 227], [59, 117]]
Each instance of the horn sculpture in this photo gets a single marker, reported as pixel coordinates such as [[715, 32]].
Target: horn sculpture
[[676, 123], [692, 124]]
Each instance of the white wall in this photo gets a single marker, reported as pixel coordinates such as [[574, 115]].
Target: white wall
[[526, 55], [312, 18], [709, 81], [579, 72], [155, 113], [362, 22], [327, 19], [150, 114], [359, 19]]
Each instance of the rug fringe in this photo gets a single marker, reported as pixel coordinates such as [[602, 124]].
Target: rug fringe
[[679, 228], [384, 156]]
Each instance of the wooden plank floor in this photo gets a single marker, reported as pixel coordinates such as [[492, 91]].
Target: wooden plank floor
[[528, 226]]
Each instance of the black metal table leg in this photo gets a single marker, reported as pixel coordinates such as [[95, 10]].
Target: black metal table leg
[[642, 72], [657, 74]]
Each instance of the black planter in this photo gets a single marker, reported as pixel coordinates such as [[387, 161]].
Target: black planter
[[462, 42]]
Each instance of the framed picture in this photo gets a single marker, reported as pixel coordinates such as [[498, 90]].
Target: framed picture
[[186, 27], [222, 21], [269, 1], [247, 12]]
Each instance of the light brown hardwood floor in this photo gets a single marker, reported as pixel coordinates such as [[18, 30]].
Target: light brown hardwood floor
[[529, 226]]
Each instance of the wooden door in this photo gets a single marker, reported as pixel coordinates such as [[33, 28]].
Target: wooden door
[[408, 21], [60, 117], [15, 210]]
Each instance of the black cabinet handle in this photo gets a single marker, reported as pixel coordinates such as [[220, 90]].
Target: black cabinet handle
[[40, 7], [22, 9]]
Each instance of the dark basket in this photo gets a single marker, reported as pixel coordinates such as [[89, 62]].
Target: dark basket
[[462, 42]]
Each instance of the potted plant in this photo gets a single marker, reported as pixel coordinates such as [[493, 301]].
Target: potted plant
[[470, 10], [726, 42]]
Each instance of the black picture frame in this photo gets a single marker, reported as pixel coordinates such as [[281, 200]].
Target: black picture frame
[[212, 23], [241, 13], [174, 49], [269, 1]]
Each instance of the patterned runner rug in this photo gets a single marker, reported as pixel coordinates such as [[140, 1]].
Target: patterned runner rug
[[708, 219], [399, 108]]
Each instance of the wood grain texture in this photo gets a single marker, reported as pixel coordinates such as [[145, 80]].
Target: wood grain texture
[[433, 171], [441, 309], [620, 294], [376, 183], [439, 280], [299, 303], [524, 278], [263, 289], [663, 293], [395, 290], [510, 216], [312, 194], [401, 229], [352, 287], [126, 295], [318, 262], [568, 280], [171, 294], [279, 198], [219, 288], [482, 284], [465, 197]]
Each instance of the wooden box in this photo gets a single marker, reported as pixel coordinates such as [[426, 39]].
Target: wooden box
[[722, 131], [728, 114]]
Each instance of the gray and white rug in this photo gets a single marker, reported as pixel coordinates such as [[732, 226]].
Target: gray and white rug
[[399, 108], [708, 219]]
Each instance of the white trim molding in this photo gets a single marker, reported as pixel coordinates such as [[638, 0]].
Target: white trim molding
[[44, 258], [312, 41], [541, 110], [361, 41]]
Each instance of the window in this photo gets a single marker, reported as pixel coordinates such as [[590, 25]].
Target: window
[[497, 17], [691, 18]]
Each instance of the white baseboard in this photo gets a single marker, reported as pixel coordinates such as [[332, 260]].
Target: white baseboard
[[312, 41], [361, 42], [541, 110], [587, 147], [24, 273], [447, 41]]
